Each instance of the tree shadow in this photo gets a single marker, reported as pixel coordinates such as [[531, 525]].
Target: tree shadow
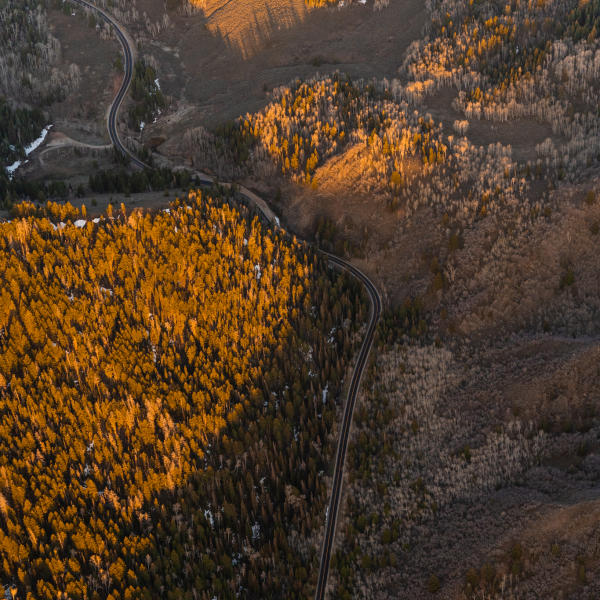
[[246, 30]]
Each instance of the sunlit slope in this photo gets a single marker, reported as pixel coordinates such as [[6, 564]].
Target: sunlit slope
[[142, 358]]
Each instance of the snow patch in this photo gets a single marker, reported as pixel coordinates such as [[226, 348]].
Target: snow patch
[[12, 168], [209, 516], [235, 559], [28, 150], [37, 143]]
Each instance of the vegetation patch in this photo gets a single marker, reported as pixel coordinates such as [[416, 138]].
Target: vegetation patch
[[149, 100], [167, 391]]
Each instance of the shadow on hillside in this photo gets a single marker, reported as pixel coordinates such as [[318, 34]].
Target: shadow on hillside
[[245, 29]]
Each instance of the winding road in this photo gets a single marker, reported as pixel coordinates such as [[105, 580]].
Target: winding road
[[374, 297], [128, 54]]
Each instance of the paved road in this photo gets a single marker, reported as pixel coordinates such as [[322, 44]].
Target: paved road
[[128, 54], [361, 363], [375, 298]]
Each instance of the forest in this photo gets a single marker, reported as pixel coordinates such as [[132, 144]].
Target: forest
[[497, 62], [18, 193], [408, 162], [517, 60], [168, 391], [170, 380], [410, 460]]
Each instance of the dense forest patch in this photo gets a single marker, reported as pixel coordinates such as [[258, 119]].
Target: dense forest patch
[[167, 388]]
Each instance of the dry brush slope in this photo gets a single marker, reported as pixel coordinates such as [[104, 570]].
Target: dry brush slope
[[82, 113], [476, 458]]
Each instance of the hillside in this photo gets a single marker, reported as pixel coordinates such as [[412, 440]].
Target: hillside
[[172, 372]]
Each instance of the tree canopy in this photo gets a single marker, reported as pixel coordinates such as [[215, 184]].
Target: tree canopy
[[167, 385]]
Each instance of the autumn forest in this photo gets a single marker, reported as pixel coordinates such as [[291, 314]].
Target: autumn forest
[[167, 391], [299, 299]]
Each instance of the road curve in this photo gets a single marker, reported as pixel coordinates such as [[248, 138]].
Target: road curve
[[113, 112], [262, 206], [361, 363]]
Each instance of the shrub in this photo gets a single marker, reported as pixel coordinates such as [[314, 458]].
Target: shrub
[[433, 585], [567, 279], [472, 580]]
